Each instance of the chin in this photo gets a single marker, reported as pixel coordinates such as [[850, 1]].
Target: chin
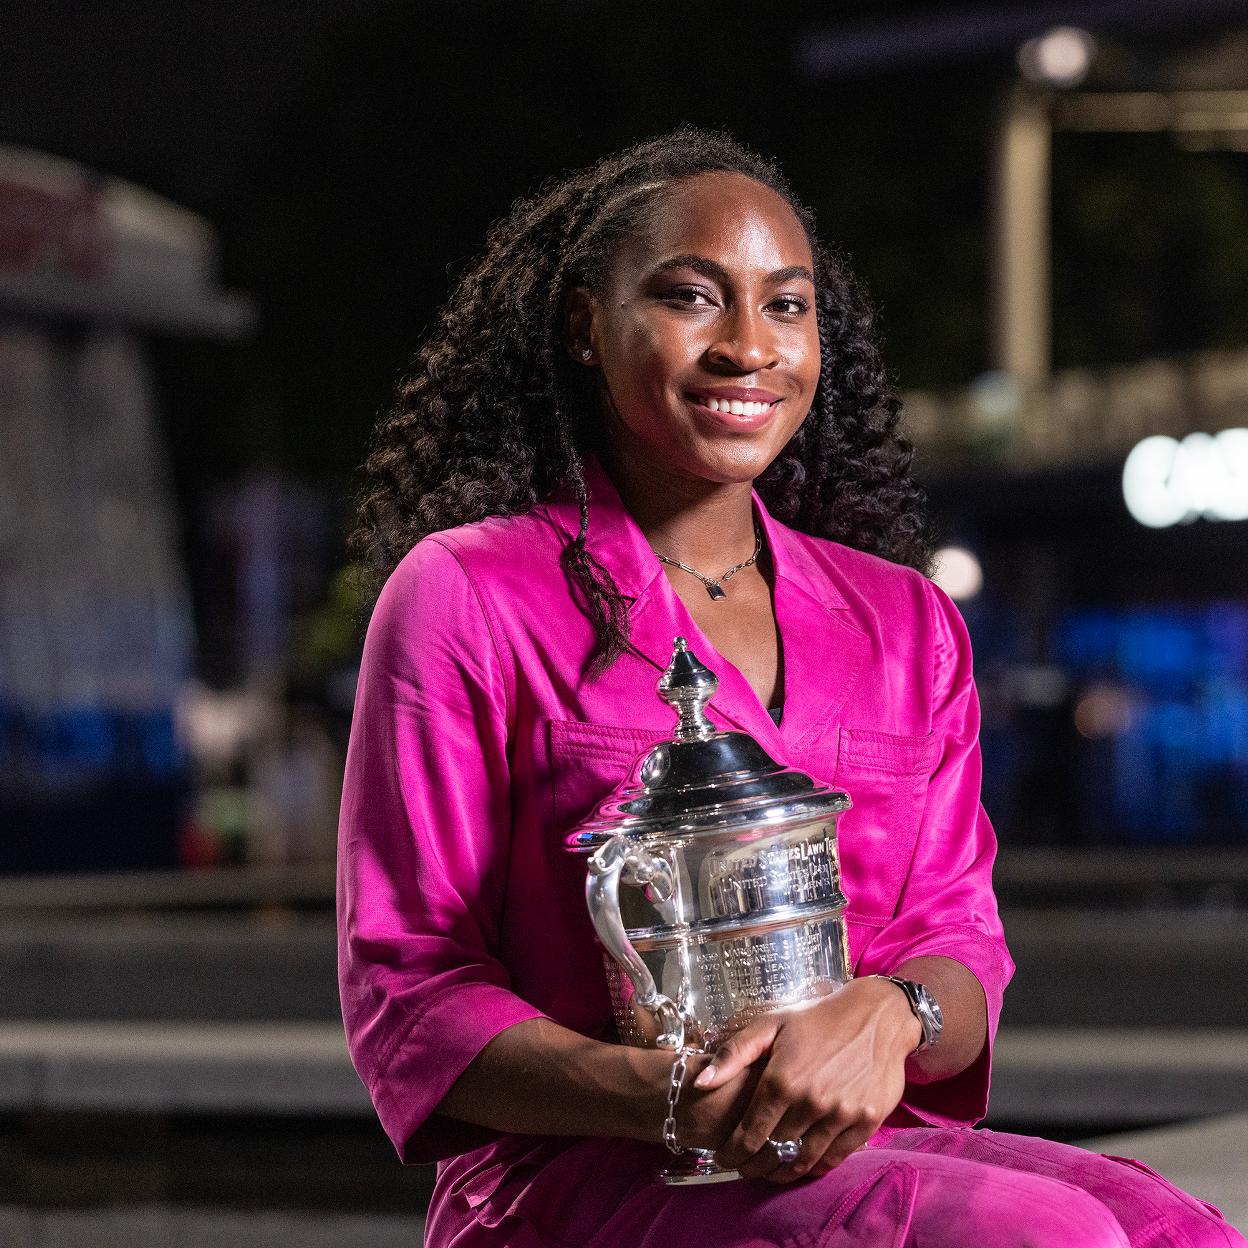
[[726, 471], [735, 463], [730, 458]]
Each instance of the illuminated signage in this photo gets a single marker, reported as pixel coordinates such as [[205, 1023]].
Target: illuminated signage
[[1167, 482]]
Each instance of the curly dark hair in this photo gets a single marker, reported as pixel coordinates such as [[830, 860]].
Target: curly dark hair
[[495, 416]]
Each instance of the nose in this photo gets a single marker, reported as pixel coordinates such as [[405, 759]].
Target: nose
[[745, 342]]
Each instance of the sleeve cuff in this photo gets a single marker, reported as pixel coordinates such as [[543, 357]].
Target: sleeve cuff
[[439, 1046], [962, 1099]]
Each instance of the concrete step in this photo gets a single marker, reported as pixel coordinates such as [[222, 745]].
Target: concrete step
[[1121, 1075], [1209, 1159], [1138, 967], [1075, 967], [178, 1068], [159, 1226], [308, 885], [1040, 1075], [230, 967]]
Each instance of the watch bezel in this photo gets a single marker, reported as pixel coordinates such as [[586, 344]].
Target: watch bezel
[[924, 1006]]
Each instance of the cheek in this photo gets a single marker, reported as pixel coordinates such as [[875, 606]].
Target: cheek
[[811, 357], [660, 344], [642, 359]]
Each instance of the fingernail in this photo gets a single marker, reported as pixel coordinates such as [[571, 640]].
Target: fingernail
[[705, 1076]]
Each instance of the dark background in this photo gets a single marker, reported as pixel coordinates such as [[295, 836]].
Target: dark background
[[350, 157]]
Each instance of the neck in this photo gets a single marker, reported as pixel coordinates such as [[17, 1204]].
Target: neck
[[706, 524]]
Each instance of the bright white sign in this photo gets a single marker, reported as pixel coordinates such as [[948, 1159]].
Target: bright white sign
[[1166, 482]]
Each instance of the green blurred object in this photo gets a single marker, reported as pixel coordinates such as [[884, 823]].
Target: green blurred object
[[224, 814], [327, 637]]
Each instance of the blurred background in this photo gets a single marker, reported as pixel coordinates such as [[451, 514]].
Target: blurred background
[[222, 231]]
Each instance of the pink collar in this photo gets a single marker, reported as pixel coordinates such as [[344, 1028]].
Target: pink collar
[[617, 542]]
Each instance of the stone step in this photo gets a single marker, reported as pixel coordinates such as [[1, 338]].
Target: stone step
[[229, 967], [159, 1226], [1209, 1159], [1024, 876], [1075, 967], [1040, 1075], [178, 1068], [1120, 1075]]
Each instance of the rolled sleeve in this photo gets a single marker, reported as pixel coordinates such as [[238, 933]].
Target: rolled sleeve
[[438, 1046], [424, 840], [947, 907]]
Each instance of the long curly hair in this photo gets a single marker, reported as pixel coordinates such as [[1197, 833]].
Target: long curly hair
[[494, 416]]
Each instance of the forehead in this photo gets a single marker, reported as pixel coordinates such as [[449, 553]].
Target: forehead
[[726, 217]]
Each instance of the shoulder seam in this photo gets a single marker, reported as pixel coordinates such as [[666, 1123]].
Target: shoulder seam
[[491, 623], [936, 648]]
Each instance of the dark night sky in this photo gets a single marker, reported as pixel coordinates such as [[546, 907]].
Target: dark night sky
[[352, 154]]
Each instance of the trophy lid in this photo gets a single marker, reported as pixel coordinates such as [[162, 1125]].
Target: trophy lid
[[703, 780]]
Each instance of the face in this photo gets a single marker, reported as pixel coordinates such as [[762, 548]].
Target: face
[[705, 332]]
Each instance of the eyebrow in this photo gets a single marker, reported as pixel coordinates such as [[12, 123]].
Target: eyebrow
[[717, 272]]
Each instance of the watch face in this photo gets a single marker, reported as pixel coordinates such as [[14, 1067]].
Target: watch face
[[926, 1011], [929, 1002]]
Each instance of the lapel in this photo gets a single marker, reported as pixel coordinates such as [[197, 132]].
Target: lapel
[[824, 651]]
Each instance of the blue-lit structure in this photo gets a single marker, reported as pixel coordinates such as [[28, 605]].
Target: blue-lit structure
[[96, 628]]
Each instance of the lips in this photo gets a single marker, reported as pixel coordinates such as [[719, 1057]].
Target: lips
[[737, 414], [740, 402]]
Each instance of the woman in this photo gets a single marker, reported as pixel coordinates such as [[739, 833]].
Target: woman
[[654, 407]]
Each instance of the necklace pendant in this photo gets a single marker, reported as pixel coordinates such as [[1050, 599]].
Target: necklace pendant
[[716, 590]]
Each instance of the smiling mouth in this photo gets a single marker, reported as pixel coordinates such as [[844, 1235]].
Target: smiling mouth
[[732, 407]]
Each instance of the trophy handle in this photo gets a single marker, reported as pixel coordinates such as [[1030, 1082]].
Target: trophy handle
[[621, 860]]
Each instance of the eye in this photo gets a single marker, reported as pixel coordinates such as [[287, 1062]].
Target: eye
[[791, 305], [690, 296]]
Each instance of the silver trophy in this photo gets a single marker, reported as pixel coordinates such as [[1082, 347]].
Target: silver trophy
[[734, 906]]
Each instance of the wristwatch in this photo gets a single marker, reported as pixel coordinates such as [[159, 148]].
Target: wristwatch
[[923, 1006]]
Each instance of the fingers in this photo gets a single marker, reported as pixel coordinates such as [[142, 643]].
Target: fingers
[[767, 1163], [816, 1140], [779, 1109], [824, 1145], [738, 1052], [843, 1145]]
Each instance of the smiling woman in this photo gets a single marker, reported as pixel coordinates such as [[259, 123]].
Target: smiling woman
[[654, 407]]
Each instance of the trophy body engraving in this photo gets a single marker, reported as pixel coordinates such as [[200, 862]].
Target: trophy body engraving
[[714, 887]]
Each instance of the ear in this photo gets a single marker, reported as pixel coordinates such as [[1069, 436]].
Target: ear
[[578, 325]]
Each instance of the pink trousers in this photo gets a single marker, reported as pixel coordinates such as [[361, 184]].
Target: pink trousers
[[944, 1188], [921, 1188]]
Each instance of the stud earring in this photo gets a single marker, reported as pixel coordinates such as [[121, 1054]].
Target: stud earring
[[587, 353]]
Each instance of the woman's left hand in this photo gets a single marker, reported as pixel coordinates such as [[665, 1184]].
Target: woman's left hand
[[834, 1071]]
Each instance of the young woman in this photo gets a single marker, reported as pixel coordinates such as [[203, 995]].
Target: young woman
[[654, 407]]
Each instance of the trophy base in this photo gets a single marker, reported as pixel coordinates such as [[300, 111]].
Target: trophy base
[[698, 1165]]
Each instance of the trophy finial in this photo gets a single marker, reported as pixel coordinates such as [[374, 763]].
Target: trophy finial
[[688, 685]]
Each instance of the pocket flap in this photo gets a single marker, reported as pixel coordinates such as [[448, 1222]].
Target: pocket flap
[[890, 752], [573, 736]]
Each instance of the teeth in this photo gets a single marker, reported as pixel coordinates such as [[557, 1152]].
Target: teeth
[[735, 407]]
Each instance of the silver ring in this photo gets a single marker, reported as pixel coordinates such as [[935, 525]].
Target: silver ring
[[787, 1150]]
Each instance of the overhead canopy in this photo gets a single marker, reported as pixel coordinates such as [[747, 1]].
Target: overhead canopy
[[79, 244]]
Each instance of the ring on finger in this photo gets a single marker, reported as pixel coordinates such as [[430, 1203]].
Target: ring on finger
[[786, 1150]]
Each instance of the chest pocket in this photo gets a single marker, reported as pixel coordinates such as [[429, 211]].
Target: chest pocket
[[886, 776], [586, 762]]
